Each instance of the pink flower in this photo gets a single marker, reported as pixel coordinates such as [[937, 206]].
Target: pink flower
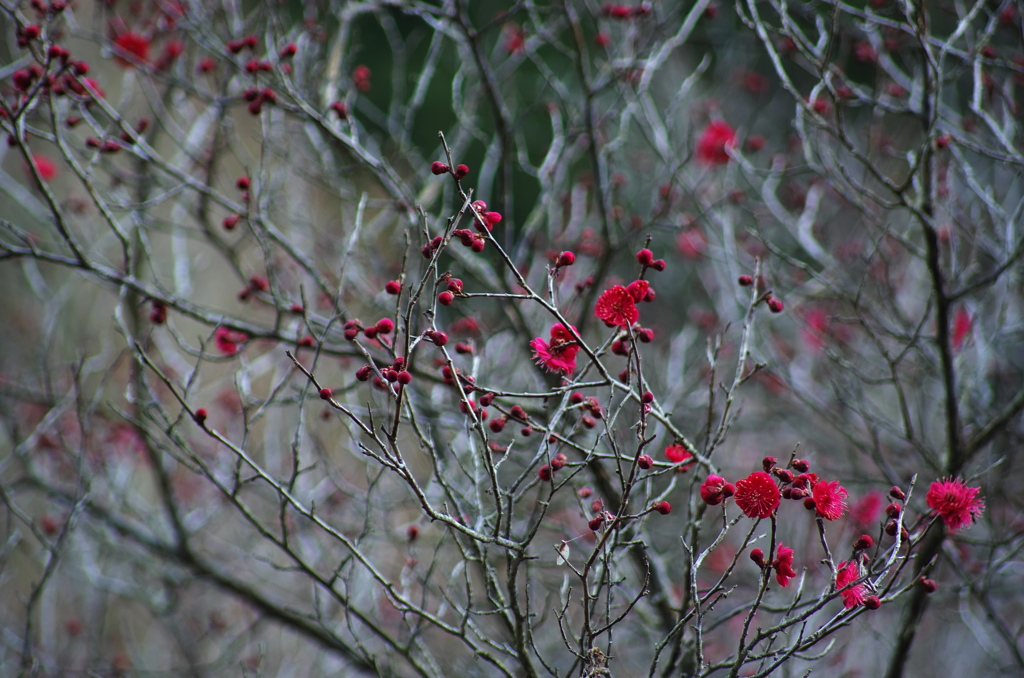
[[616, 307], [962, 325], [560, 354], [134, 44], [865, 510], [677, 454], [712, 143], [957, 504], [757, 495], [47, 170], [228, 341], [828, 499], [848, 573], [783, 565]]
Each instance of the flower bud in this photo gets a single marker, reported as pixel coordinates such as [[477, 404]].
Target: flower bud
[[897, 493], [774, 305], [663, 507], [809, 503], [872, 602], [200, 416], [645, 461], [863, 542], [801, 465], [461, 171], [437, 168], [767, 463], [325, 394], [565, 259], [928, 585], [757, 555], [645, 257], [746, 281], [596, 522]]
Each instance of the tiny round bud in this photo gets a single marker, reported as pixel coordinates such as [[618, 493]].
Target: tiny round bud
[[663, 507], [393, 287], [446, 298], [782, 474], [890, 528], [364, 373], [404, 378], [325, 394], [774, 305], [872, 603], [645, 335], [801, 465], [728, 490], [526, 431], [809, 503], [478, 246], [767, 463], [498, 424], [306, 342], [757, 555], [461, 171], [200, 416], [243, 183], [544, 473], [863, 542], [893, 510], [746, 280], [645, 461], [658, 265], [412, 533], [565, 259], [645, 257], [437, 168], [385, 326], [439, 339], [576, 398], [558, 461], [647, 397], [928, 585], [584, 492], [897, 493], [231, 221], [596, 522], [588, 422]]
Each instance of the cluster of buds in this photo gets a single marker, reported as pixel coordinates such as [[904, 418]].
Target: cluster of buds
[[361, 78], [257, 284], [381, 327], [437, 337], [474, 241], [714, 490], [646, 259], [158, 316], [257, 97], [625, 12], [248, 42], [429, 248], [893, 511], [453, 288], [484, 220]]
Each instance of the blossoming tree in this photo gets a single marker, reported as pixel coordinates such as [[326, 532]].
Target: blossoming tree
[[690, 346]]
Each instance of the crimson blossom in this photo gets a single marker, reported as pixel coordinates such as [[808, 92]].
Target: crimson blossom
[[757, 495], [847, 573], [616, 306], [828, 499], [783, 565], [957, 504], [711, 146], [560, 354]]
